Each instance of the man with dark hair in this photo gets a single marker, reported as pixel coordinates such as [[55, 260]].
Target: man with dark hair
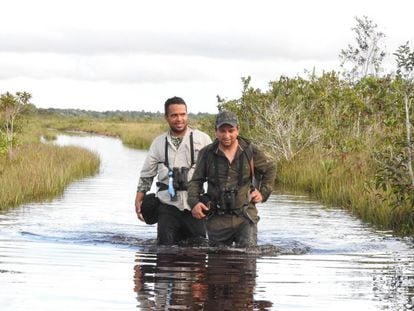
[[229, 166], [172, 157]]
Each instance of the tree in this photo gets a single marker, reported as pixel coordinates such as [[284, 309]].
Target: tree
[[285, 131], [367, 56], [395, 175], [11, 106], [278, 119], [405, 65]]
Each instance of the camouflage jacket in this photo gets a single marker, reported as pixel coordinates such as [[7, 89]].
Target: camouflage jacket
[[214, 168]]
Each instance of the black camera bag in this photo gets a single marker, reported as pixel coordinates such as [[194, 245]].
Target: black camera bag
[[149, 208]]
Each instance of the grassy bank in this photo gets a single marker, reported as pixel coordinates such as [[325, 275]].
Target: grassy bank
[[345, 181], [35, 172], [132, 133], [39, 172]]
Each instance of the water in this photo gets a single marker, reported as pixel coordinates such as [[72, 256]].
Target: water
[[87, 251]]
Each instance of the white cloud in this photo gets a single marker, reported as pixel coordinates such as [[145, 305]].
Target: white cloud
[[129, 54], [247, 46]]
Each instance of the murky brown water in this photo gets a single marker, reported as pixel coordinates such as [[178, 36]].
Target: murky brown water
[[86, 251]]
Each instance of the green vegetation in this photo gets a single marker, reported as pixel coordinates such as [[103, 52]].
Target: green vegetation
[[30, 170], [11, 106], [136, 134], [41, 171], [117, 115], [346, 141], [344, 144]]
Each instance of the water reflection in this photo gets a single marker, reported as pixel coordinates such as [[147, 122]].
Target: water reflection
[[194, 280], [394, 285]]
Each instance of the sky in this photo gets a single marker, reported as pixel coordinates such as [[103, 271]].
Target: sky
[[132, 55]]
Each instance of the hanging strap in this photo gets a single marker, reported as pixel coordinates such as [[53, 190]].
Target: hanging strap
[[249, 152], [166, 153], [166, 162], [249, 155], [216, 176], [192, 149], [240, 175]]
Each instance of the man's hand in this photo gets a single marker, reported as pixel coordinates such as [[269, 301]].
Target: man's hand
[[199, 210], [256, 196], [138, 202]]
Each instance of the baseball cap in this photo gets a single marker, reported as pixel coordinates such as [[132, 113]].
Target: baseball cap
[[226, 117]]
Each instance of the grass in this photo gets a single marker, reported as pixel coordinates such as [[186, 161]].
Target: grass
[[346, 181], [34, 171], [38, 172], [133, 134]]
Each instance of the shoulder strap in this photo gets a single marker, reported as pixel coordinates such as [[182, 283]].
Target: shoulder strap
[[207, 157], [248, 152], [191, 151], [166, 153], [249, 155]]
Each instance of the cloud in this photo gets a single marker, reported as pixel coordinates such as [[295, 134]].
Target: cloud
[[152, 57], [146, 69], [113, 68], [224, 45]]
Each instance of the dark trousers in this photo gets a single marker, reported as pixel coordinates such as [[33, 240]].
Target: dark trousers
[[175, 225], [227, 229]]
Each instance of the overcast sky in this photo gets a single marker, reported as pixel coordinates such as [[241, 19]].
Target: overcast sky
[[133, 55]]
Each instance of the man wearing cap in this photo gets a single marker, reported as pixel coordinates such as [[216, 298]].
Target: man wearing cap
[[229, 166], [172, 157]]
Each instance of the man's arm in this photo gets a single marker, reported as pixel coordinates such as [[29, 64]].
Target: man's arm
[[144, 185], [148, 172], [138, 202]]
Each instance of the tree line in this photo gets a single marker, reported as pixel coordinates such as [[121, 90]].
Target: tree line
[[14, 106]]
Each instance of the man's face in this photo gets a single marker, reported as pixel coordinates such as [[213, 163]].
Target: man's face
[[177, 118], [227, 135]]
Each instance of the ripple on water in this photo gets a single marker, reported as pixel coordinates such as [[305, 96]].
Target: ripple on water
[[102, 237]]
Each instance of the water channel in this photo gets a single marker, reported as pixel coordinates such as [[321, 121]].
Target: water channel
[[86, 251]]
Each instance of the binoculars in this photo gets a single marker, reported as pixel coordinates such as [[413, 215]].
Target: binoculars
[[180, 178], [177, 181], [228, 199]]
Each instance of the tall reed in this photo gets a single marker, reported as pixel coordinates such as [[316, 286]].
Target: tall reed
[[344, 180], [37, 172]]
